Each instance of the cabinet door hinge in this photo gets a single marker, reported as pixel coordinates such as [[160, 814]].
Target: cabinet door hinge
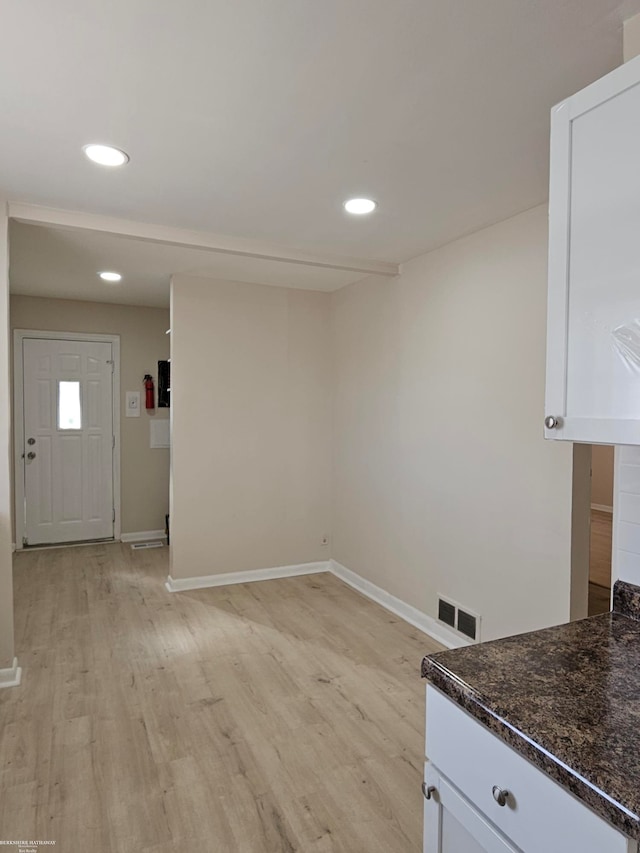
[[25, 541], [113, 518], [113, 442]]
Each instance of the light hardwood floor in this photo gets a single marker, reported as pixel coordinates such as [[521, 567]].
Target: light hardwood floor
[[278, 716]]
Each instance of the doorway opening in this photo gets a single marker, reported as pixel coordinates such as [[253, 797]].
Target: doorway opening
[[56, 289]]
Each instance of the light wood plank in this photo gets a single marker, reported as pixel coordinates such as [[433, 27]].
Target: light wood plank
[[279, 716]]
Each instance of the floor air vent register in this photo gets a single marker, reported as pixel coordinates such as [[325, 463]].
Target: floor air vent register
[[461, 620]]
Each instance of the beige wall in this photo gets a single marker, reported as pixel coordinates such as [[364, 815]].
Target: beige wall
[[251, 424], [631, 38], [602, 475], [442, 482], [143, 342], [580, 531], [6, 571]]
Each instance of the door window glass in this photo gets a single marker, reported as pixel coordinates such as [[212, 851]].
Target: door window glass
[[69, 408]]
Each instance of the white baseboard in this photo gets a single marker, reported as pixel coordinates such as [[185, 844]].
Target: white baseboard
[[423, 622], [427, 624], [12, 676], [602, 508], [183, 584], [143, 536]]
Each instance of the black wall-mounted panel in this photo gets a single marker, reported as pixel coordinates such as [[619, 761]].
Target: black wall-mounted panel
[[164, 384]]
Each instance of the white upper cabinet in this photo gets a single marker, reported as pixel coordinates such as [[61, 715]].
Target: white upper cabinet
[[593, 331]]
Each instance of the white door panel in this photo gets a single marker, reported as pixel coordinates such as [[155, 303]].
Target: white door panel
[[68, 415]]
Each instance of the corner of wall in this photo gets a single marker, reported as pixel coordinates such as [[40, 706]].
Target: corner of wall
[[580, 513], [6, 556]]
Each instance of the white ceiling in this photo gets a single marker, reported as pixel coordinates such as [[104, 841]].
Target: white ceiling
[[256, 119], [64, 264]]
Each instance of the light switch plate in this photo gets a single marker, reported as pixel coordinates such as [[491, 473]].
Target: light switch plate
[[132, 404]]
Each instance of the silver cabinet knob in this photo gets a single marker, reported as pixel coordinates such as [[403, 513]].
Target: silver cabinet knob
[[551, 422], [500, 795], [428, 791], [31, 441], [31, 455]]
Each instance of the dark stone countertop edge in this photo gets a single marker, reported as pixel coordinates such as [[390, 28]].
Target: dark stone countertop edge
[[626, 599], [480, 708]]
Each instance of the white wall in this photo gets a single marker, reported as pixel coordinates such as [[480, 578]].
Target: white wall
[[443, 482], [626, 519], [6, 569], [251, 426]]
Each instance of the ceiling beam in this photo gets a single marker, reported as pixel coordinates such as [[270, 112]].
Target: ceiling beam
[[37, 215]]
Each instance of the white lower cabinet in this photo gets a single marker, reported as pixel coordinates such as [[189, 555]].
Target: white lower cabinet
[[452, 825], [481, 796]]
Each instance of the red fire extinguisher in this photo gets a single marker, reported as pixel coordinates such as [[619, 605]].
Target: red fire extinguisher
[[150, 402]]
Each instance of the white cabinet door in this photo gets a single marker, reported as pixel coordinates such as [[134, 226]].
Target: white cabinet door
[[452, 825], [593, 333]]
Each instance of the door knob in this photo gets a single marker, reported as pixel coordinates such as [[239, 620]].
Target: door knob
[[31, 441], [428, 790], [551, 422], [31, 455], [500, 795]]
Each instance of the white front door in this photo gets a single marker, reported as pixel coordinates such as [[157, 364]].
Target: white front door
[[68, 440]]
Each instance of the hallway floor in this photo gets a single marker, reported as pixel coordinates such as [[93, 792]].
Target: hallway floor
[[279, 716]]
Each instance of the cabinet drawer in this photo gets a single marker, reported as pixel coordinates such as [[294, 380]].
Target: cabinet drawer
[[539, 815]]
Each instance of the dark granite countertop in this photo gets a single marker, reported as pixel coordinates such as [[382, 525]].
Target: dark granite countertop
[[567, 698]]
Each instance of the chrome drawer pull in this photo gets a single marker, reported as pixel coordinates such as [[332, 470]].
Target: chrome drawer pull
[[428, 791], [500, 795]]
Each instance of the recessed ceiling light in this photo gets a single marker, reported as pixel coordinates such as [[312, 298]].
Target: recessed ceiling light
[[360, 205], [105, 155], [110, 276]]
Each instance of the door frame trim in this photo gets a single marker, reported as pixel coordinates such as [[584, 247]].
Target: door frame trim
[[19, 335]]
